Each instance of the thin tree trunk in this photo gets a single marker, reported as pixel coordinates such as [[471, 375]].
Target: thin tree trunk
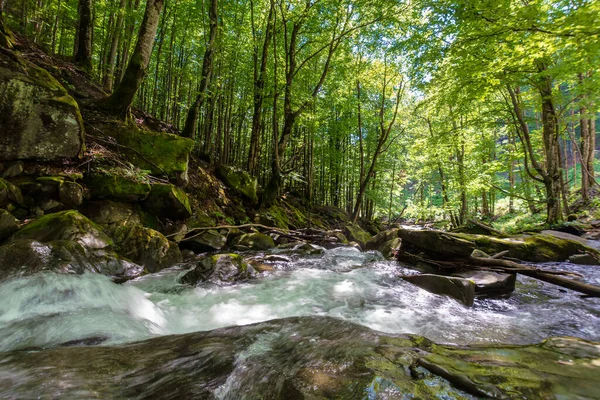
[[83, 53], [110, 62]]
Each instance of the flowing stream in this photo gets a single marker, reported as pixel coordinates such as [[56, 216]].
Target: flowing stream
[[49, 309]]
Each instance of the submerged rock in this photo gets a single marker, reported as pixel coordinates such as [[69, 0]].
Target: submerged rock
[[38, 118], [303, 358], [460, 289]]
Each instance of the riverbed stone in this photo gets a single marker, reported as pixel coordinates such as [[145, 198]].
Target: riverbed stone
[[378, 240], [256, 241], [355, 233], [390, 248], [38, 118], [460, 289], [305, 358], [200, 242], [218, 269], [490, 284], [146, 247], [584, 259]]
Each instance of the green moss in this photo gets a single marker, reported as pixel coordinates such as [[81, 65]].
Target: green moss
[[117, 187], [239, 180], [167, 201]]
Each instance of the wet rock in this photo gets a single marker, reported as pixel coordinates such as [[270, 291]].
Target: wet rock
[[276, 258], [378, 240], [584, 259], [489, 283], [436, 242], [146, 247], [460, 289], [38, 118], [256, 241], [355, 233], [81, 244], [70, 194], [304, 358], [111, 215], [390, 248], [116, 187], [239, 180], [299, 248], [201, 242], [168, 201], [218, 269], [8, 224]]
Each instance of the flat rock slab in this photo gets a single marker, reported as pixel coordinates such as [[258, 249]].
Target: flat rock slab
[[460, 289], [489, 283]]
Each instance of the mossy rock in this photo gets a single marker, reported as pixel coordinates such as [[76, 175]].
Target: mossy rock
[[158, 152], [146, 247], [206, 241], [200, 219], [390, 248], [38, 118], [167, 201], [307, 358], [379, 239], [240, 181], [218, 269], [437, 243], [8, 224], [115, 187], [256, 241], [112, 215], [66, 225], [9, 193], [460, 289], [274, 216], [355, 233]]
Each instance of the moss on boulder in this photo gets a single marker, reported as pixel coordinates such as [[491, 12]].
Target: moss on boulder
[[218, 269], [256, 241], [240, 181], [38, 119], [146, 247], [116, 187], [167, 201], [8, 224], [206, 241], [355, 233], [9, 193], [158, 152]]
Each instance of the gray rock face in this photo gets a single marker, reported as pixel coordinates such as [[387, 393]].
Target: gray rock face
[[584, 259], [201, 242], [38, 119], [219, 269], [460, 289], [489, 283]]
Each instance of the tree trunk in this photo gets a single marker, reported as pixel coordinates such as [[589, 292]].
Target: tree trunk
[[110, 61], [120, 101], [191, 122], [83, 53]]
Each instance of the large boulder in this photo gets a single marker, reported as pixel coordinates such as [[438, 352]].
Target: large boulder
[[8, 224], [168, 201], [116, 187], [200, 242], [304, 358], [355, 233], [218, 269], [38, 118], [71, 243], [377, 241], [460, 289], [111, 215], [490, 284], [158, 152], [239, 180], [255, 241], [436, 243], [146, 247]]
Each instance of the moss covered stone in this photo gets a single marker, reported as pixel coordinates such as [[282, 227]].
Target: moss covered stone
[[112, 215], [116, 187], [146, 247], [256, 241], [206, 241], [219, 269], [9, 193], [356, 234], [8, 224], [38, 119], [167, 201], [158, 152], [274, 216], [239, 180]]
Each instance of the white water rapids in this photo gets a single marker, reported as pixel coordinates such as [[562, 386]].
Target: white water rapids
[[50, 309]]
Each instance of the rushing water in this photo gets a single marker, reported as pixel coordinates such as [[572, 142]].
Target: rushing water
[[50, 309]]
